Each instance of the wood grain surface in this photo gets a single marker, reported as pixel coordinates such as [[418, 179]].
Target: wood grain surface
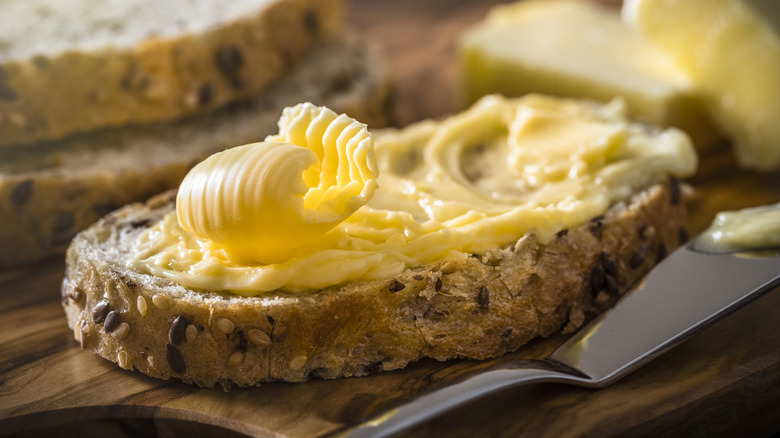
[[723, 382]]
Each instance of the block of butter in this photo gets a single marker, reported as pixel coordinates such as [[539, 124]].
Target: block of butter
[[730, 50], [578, 49]]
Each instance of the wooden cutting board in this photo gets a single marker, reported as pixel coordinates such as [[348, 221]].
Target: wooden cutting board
[[725, 381]]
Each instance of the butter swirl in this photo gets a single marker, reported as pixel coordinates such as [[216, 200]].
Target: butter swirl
[[262, 201], [445, 189]]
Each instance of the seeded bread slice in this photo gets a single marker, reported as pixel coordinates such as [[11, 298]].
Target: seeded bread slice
[[74, 65], [479, 308], [50, 191]]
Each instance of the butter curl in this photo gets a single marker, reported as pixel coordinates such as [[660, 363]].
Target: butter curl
[[262, 201]]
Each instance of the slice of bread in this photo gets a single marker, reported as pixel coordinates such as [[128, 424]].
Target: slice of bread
[[72, 66], [478, 307], [50, 191]]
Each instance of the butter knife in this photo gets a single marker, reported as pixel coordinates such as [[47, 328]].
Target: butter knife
[[686, 292]]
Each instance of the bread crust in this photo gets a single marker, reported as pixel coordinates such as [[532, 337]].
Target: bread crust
[[50, 191], [47, 97], [480, 307]]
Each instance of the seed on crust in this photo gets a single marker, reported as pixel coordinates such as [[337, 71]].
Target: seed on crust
[[638, 258], [150, 362], [191, 333], [83, 333], [610, 267], [230, 60], [437, 286], [258, 337], [121, 331], [396, 285], [143, 308], [596, 227], [175, 360], [123, 359], [613, 288], [225, 325], [205, 94], [112, 320], [100, 311], [483, 298], [298, 362], [235, 359], [682, 235], [178, 330], [161, 302], [604, 276], [661, 253]]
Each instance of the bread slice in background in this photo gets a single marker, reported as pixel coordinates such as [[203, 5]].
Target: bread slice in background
[[51, 190], [478, 307], [74, 66]]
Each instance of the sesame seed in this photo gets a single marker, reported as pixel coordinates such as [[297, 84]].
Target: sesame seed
[[123, 359], [143, 308], [191, 333], [225, 325], [236, 358], [298, 362], [160, 302], [258, 337], [121, 331]]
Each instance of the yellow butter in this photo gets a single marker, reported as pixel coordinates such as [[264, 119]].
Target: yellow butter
[[574, 48], [748, 229], [262, 201], [730, 49], [447, 189]]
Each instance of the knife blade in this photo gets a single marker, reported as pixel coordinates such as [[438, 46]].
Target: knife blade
[[685, 293]]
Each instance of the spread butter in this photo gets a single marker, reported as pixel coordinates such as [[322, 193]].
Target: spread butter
[[441, 190]]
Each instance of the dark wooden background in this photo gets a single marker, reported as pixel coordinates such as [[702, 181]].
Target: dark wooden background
[[723, 382]]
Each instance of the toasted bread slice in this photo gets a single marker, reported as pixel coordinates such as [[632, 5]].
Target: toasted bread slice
[[50, 191], [478, 307]]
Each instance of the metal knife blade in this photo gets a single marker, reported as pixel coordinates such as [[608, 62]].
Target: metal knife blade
[[682, 295], [686, 292]]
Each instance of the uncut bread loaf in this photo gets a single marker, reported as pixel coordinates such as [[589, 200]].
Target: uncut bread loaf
[[51, 190], [73, 66], [478, 307]]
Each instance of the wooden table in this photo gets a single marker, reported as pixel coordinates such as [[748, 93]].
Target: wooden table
[[725, 381]]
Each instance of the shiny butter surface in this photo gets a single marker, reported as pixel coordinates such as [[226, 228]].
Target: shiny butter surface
[[447, 189], [575, 48], [262, 201], [740, 230], [730, 50]]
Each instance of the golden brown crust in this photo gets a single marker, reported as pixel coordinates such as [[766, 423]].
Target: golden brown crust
[[160, 79], [480, 307], [50, 191]]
